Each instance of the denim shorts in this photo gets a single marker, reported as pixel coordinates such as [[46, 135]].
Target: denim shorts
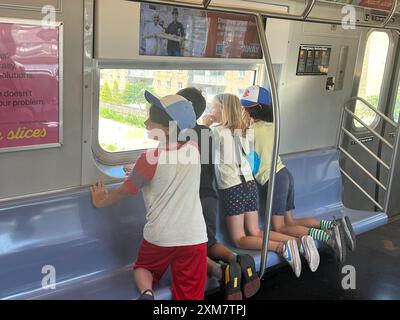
[[283, 200], [240, 199]]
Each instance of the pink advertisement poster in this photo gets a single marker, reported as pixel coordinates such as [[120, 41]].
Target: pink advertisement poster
[[29, 86]]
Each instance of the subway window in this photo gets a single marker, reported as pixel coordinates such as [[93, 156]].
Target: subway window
[[123, 108], [372, 76]]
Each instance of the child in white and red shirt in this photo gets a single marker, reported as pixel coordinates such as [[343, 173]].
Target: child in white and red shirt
[[175, 233]]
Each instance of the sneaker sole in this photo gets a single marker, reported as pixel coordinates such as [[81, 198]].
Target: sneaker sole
[[251, 288], [295, 258], [339, 241], [250, 280], [310, 247], [234, 296], [342, 239], [349, 233]]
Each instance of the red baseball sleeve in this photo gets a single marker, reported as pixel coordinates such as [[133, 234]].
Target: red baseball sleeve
[[143, 171]]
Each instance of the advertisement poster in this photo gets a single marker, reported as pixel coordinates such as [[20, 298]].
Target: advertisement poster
[[29, 86], [172, 31], [373, 4], [313, 60]]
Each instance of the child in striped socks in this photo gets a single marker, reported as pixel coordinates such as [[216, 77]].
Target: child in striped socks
[[257, 104]]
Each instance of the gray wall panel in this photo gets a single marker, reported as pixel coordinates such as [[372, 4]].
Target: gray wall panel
[[310, 114]]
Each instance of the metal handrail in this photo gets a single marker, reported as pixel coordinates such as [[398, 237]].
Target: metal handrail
[[276, 109], [365, 148], [383, 116], [361, 189], [370, 129], [358, 164], [307, 10], [303, 16], [394, 148], [391, 14], [392, 167], [206, 3]]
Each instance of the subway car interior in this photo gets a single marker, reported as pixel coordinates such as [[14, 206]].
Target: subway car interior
[[73, 112]]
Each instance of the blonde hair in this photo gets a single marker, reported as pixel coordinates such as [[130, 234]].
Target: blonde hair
[[231, 111]]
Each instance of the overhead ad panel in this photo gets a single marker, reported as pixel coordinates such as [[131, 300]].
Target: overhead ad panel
[[173, 31]]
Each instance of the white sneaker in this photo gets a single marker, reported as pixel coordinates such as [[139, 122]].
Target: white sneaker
[[349, 235], [310, 252], [337, 242], [292, 256]]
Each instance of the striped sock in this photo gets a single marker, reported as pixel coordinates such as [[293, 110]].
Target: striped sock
[[326, 225], [318, 234]]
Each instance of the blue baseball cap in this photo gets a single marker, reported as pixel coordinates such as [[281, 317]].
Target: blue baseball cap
[[255, 95], [177, 107]]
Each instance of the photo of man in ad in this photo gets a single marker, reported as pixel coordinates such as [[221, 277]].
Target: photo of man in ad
[[174, 48]]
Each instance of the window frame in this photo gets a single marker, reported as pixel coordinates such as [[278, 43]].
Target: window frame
[[386, 79], [393, 115], [125, 157], [395, 92]]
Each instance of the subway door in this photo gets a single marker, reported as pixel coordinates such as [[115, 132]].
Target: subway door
[[390, 131], [364, 145]]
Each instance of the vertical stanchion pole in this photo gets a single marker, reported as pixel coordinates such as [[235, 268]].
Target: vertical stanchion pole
[[392, 167], [393, 160], [275, 105], [341, 124]]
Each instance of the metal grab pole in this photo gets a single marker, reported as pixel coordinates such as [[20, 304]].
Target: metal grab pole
[[391, 14], [392, 167], [275, 105], [310, 5], [206, 3]]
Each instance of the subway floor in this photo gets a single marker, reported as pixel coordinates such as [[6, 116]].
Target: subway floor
[[376, 262]]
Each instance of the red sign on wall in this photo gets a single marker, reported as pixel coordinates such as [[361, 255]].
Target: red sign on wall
[[30, 110], [373, 4], [377, 4], [232, 36]]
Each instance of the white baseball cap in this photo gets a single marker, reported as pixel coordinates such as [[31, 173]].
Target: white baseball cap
[[255, 95]]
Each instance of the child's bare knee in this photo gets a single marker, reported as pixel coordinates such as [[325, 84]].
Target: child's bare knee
[[254, 232], [289, 220], [278, 228], [238, 242]]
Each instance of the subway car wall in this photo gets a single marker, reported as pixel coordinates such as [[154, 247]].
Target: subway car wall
[[85, 59], [306, 104]]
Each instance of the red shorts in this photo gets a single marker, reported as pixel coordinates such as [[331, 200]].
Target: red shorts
[[188, 267]]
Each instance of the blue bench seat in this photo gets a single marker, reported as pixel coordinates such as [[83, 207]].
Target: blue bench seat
[[318, 194], [93, 250]]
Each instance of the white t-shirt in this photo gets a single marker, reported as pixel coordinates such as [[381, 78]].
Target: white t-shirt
[[170, 180], [153, 45], [228, 155]]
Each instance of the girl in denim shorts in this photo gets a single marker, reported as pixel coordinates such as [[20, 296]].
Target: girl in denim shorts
[[257, 104], [237, 188]]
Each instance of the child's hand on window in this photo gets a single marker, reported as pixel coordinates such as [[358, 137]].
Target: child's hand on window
[[99, 194]]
